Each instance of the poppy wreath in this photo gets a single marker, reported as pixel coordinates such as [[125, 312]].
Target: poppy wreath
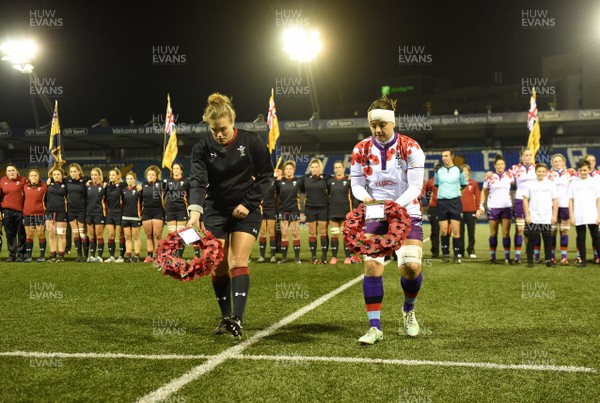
[[172, 264], [376, 245]]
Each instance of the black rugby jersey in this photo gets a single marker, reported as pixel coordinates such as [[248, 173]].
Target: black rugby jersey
[[152, 197], [288, 194], [175, 194], [56, 197], [76, 193], [232, 174], [95, 200], [132, 203], [340, 194], [113, 197], [269, 202], [315, 187]]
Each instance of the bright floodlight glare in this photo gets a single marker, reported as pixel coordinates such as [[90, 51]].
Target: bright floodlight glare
[[301, 45], [19, 52]]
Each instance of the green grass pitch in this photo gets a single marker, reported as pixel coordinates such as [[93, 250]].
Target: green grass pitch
[[537, 328]]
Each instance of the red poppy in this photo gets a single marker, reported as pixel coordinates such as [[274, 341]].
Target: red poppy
[[374, 159], [390, 153]]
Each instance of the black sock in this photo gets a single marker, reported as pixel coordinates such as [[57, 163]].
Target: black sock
[[262, 244], [240, 285], [273, 245], [312, 245], [324, 247], [445, 245], [111, 247], [78, 246], [121, 247], [297, 249], [42, 246], [222, 287], [335, 242]]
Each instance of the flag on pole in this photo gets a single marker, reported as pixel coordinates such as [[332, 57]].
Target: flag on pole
[[170, 138], [273, 133], [55, 159], [533, 123]]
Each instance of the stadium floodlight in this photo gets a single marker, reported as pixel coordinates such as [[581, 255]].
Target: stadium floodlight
[[302, 45], [20, 54]]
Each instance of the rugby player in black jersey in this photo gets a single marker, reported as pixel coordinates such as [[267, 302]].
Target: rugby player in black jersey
[[153, 213], [131, 218], [56, 215], [315, 209], [113, 215], [95, 214], [341, 203], [287, 189], [230, 173], [175, 191], [76, 206]]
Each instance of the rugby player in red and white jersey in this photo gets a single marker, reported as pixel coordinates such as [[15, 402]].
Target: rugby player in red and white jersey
[[496, 191], [390, 166], [561, 178], [523, 172]]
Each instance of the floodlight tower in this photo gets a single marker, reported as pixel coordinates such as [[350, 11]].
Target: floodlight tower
[[303, 46]]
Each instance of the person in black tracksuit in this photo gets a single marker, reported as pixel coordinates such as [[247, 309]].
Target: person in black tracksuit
[[340, 204], [231, 170], [76, 206], [113, 215], [131, 218], [56, 215], [315, 209], [287, 189], [95, 214], [153, 213]]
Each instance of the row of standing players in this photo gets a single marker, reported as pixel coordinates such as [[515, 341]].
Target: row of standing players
[[501, 208], [90, 206], [87, 206]]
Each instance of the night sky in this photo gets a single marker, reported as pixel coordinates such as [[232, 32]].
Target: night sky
[[102, 54]]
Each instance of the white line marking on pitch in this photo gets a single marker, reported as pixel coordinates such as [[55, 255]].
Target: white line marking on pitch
[[353, 360], [35, 354], [349, 360], [173, 386]]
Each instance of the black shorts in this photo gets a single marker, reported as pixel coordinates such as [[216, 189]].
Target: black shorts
[[269, 214], [315, 214], [34, 220], [221, 223], [176, 215], [449, 209], [153, 215], [113, 218], [289, 216], [78, 215], [95, 219], [130, 223], [58, 216]]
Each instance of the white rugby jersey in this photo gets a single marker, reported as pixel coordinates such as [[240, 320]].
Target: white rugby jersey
[[522, 175], [498, 187], [393, 171], [541, 195], [561, 179], [585, 193]]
